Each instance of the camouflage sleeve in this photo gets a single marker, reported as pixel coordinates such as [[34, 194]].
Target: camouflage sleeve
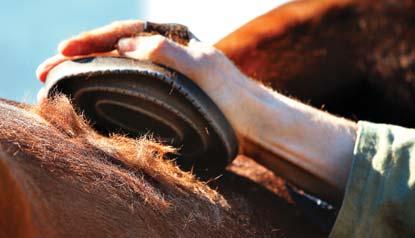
[[380, 194]]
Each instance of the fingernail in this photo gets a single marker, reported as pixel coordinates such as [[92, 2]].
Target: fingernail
[[41, 95], [62, 45], [126, 45], [39, 73]]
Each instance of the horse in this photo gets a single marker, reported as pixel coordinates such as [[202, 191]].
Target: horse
[[61, 178]]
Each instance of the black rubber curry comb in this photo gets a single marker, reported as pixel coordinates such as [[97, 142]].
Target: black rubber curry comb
[[120, 95]]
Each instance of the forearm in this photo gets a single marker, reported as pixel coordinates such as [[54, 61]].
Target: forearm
[[313, 145]]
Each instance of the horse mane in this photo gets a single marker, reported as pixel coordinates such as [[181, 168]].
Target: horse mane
[[133, 172], [72, 180], [141, 162]]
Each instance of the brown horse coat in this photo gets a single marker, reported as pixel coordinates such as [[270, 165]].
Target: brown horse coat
[[61, 179]]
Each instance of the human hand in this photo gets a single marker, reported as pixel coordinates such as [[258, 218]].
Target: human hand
[[268, 124], [100, 41], [202, 63]]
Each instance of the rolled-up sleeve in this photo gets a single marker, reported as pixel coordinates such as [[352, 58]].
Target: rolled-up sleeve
[[380, 195]]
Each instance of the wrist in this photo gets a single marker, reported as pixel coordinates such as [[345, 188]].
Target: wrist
[[302, 140], [228, 88]]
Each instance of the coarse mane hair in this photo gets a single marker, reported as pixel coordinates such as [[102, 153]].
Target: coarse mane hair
[[73, 181], [133, 172]]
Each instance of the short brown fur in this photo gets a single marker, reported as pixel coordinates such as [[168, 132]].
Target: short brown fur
[[77, 183]]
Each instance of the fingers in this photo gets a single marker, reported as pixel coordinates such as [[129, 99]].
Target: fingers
[[217, 76], [102, 39], [44, 68], [161, 50]]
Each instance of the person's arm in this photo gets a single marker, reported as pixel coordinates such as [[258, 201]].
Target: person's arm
[[309, 147], [316, 147]]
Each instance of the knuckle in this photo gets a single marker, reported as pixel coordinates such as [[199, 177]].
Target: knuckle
[[160, 41], [115, 23], [159, 44], [209, 53]]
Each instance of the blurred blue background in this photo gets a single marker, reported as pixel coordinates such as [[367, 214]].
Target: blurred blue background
[[31, 30]]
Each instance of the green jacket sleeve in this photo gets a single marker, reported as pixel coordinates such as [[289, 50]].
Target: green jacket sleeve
[[380, 195]]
